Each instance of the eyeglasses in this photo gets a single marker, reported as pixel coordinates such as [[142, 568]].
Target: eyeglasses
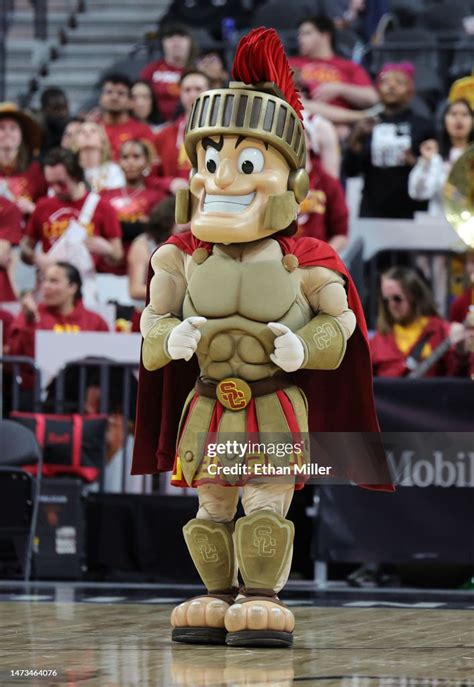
[[397, 298]]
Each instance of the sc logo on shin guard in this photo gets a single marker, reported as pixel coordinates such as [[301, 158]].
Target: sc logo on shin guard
[[207, 551], [264, 541]]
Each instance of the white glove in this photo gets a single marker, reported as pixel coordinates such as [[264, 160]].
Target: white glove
[[184, 338], [289, 351]]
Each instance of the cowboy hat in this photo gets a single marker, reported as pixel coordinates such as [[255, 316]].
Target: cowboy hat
[[30, 129]]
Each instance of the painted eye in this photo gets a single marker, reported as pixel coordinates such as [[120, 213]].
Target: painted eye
[[250, 160], [212, 160]]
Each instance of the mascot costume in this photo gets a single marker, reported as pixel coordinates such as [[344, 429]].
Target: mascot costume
[[272, 322]]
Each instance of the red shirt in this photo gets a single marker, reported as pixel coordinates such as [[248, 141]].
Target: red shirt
[[389, 361], [132, 208], [11, 223], [173, 160], [119, 133], [133, 205], [312, 73], [52, 216], [29, 184], [165, 83], [323, 213], [22, 333]]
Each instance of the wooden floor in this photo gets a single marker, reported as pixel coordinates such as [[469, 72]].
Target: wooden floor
[[124, 645]]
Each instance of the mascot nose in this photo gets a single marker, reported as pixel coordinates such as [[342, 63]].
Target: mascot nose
[[225, 174]]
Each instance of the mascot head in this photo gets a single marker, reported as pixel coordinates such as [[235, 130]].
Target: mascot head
[[247, 147]]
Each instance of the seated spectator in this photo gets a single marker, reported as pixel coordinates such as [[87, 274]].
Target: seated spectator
[[463, 305], [68, 140], [409, 329], [144, 107], [115, 105], [21, 177], [173, 162], [383, 149], [331, 85], [323, 142], [54, 215], [160, 227], [179, 51], [61, 310], [53, 118], [11, 227], [428, 176], [134, 203], [93, 149], [212, 64], [323, 214]]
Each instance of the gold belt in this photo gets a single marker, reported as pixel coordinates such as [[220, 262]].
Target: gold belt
[[235, 394]]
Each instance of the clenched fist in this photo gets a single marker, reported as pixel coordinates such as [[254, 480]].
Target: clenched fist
[[289, 351], [183, 339]]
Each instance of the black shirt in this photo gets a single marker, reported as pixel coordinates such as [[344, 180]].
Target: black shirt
[[383, 167]]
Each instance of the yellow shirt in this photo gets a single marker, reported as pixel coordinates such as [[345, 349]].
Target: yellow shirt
[[406, 336]]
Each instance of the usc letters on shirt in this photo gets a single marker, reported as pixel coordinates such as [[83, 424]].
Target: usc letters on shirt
[[51, 218], [323, 214], [21, 340], [132, 208], [312, 73], [165, 83], [29, 184], [133, 205], [130, 130]]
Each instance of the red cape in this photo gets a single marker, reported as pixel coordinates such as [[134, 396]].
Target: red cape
[[340, 400]]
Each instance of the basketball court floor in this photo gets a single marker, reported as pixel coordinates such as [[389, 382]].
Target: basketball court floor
[[119, 636]]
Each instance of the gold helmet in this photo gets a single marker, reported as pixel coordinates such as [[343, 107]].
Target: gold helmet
[[261, 103], [258, 111]]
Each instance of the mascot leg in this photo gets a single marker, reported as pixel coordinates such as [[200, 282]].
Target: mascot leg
[[264, 548], [200, 620]]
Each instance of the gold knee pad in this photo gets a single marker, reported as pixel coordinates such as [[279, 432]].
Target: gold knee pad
[[212, 550], [263, 542]]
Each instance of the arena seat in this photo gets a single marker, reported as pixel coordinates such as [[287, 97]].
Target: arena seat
[[463, 58], [443, 16], [19, 496]]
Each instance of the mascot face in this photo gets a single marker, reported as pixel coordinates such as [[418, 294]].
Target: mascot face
[[235, 180]]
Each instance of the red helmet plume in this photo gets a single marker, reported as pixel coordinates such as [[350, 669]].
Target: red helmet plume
[[260, 57]]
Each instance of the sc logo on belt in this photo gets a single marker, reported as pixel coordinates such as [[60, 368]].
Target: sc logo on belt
[[234, 393]]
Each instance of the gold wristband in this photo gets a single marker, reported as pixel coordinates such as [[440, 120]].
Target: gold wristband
[[324, 343], [154, 350]]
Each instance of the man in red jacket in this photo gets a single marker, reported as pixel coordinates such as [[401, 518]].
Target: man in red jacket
[[115, 103], [52, 216], [409, 330], [164, 75]]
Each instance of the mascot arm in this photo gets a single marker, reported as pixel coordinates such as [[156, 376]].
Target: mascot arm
[[164, 311], [325, 336]]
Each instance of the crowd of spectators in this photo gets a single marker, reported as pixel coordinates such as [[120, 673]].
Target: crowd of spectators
[[94, 193]]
